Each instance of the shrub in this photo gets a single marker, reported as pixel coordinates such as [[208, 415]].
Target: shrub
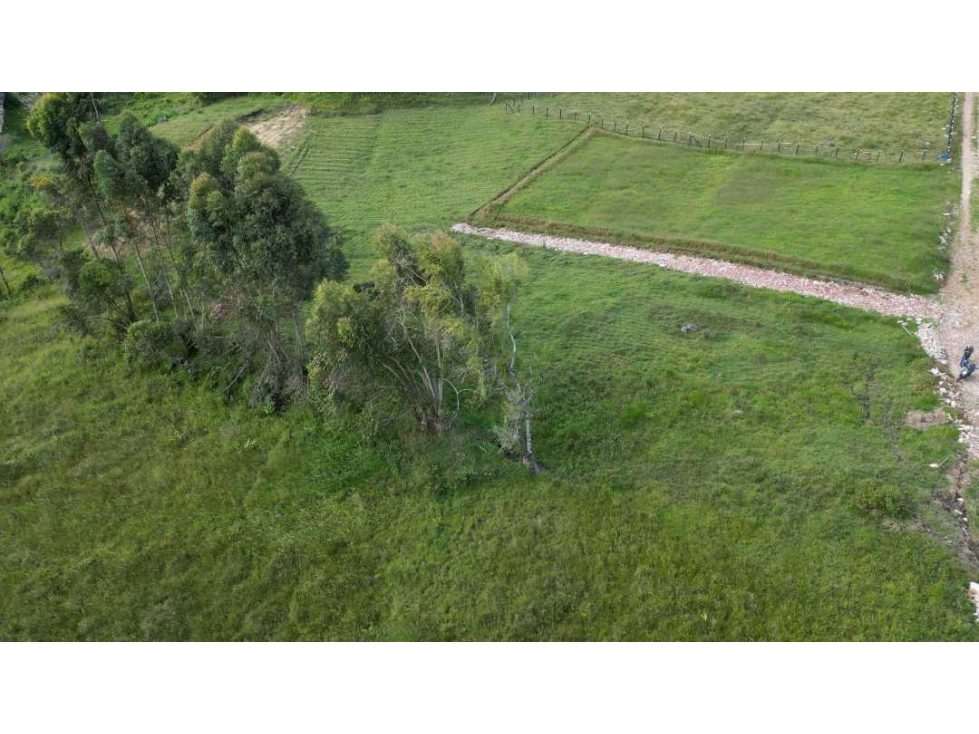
[[153, 344], [31, 282], [886, 499]]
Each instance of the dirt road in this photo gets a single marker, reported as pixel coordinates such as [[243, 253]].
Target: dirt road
[[959, 326], [866, 298]]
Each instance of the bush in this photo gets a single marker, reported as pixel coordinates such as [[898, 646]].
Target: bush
[[877, 497], [154, 344], [31, 282], [206, 98]]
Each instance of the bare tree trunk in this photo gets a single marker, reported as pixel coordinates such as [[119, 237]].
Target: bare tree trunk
[[163, 262], [91, 97], [149, 290], [181, 275], [529, 460], [91, 242], [125, 284], [3, 276]]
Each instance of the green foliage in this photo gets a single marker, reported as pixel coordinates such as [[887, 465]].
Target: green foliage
[[873, 223], [139, 167], [152, 344], [102, 294], [414, 329], [206, 98], [267, 245], [888, 500], [256, 225]]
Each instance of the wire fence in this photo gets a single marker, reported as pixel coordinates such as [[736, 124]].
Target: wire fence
[[531, 105]]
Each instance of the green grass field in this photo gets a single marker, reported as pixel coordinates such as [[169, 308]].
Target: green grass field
[[876, 224], [419, 168], [912, 121], [697, 487], [705, 486]]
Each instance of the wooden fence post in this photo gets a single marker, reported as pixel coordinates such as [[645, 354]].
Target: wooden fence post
[[899, 160], [708, 142], [560, 113], [627, 128], [761, 146], [659, 135], [837, 154], [674, 135], [797, 149]]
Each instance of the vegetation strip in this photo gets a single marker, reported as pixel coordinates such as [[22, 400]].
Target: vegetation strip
[[866, 298]]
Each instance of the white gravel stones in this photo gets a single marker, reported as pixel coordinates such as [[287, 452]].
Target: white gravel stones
[[866, 298]]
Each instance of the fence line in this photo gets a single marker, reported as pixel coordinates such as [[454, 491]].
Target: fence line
[[710, 142], [951, 124]]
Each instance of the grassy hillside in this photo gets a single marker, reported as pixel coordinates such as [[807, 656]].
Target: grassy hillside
[[874, 223], [698, 487], [752, 480], [912, 121]]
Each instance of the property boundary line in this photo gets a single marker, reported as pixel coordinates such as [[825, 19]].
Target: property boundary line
[[727, 143]]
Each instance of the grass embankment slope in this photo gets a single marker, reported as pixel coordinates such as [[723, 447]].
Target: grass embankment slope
[[878, 224], [868, 121], [702, 486]]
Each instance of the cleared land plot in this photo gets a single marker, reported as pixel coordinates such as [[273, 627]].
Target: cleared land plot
[[701, 486], [912, 121], [418, 168], [189, 125], [876, 224]]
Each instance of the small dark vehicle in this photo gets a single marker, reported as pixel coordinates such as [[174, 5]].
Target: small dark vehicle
[[966, 365]]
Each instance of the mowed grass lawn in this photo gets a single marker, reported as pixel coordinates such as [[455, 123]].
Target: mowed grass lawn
[[872, 223], [868, 121], [419, 168], [698, 486]]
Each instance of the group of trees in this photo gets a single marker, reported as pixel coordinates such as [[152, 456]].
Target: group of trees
[[202, 260], [198, 258], [426, 333]]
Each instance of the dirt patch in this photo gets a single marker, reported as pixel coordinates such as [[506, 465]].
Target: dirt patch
[[922, 419], [280, 130]]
